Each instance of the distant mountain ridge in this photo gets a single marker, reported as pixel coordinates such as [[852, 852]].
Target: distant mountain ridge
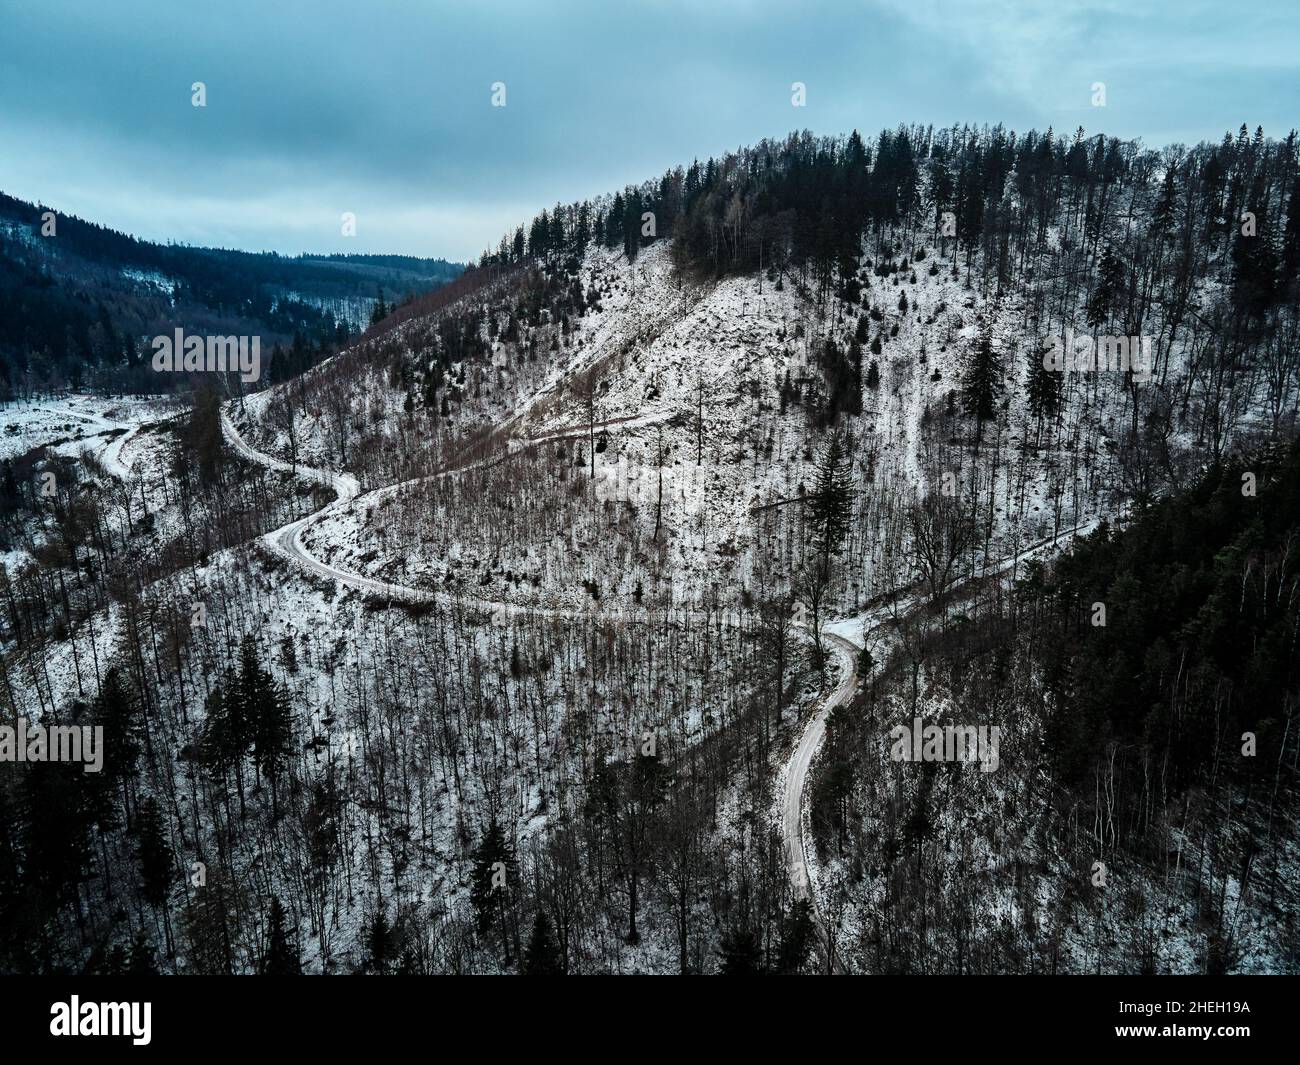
[[76, 304]]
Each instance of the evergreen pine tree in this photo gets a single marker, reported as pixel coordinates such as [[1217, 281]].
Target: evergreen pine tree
[[1163, 215], [272, 735], [542, 956], [1044, 387], [379, 941], [981, 384], [282, 954], [227, 732], [116, 710], [741, 954], [797, 937], [631, 224], [1111, 283], [157, 870], [830, 505], [492, 883], [614, 222], [1256, 260]]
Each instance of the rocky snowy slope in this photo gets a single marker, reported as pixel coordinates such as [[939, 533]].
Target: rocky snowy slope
[[702, 397]]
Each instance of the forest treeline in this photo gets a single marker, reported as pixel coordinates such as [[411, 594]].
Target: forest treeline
[[804, 204], [78, 307], [1146, 683]]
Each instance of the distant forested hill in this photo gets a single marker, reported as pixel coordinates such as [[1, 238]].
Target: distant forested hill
[[77, 306]]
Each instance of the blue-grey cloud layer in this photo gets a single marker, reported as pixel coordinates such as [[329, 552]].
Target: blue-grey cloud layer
[[383, 109]]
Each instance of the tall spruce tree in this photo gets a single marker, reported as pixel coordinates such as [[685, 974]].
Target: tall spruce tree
[[117, 710], [798, 933], [981, 384], [829, 511], [283, 957], [542, 956], [1112, 279], [830, 505], [492, 886], [1043, 387], [157, 866]]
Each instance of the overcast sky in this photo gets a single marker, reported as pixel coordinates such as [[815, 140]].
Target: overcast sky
[[383, 108]]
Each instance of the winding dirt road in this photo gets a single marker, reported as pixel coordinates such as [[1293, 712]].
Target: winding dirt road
[[111, 453], [801, 758], [810, 740], [287, 541]]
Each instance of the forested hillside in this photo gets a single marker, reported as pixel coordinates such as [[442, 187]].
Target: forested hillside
[[1147, 693], [504, 640], [79, 303]]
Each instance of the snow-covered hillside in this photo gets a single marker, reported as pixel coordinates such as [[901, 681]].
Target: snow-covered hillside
[[614, 568]]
